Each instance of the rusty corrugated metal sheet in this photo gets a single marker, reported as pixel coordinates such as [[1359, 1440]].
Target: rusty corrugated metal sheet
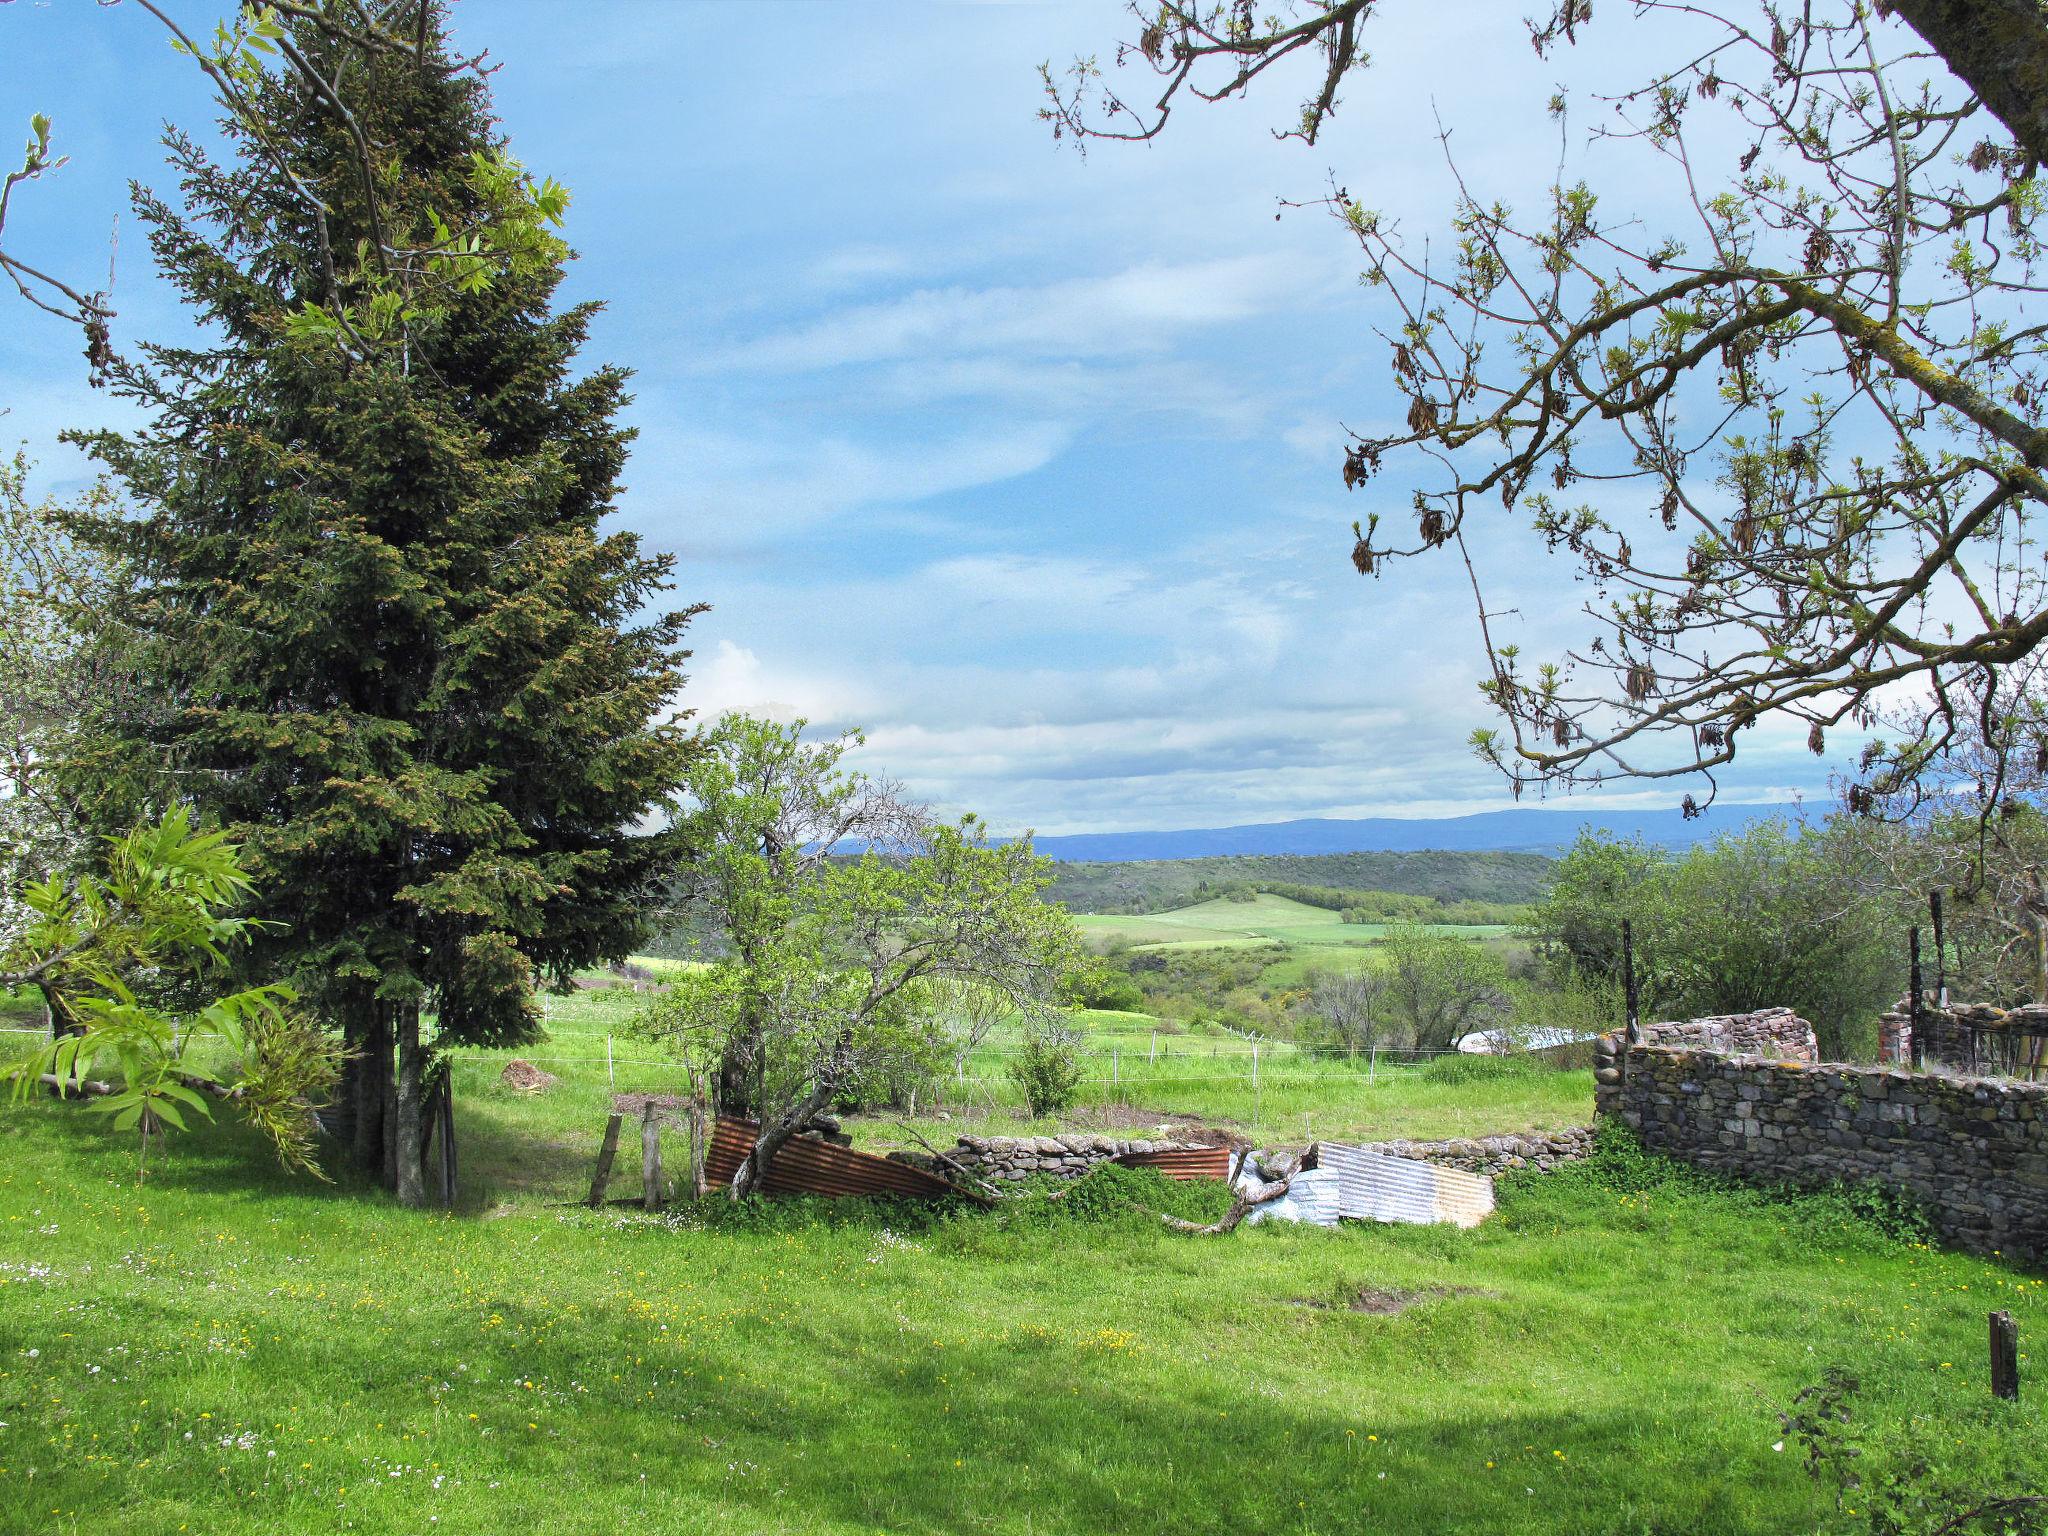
[[1375, 1187], [807, 1167], [1183, 1163]]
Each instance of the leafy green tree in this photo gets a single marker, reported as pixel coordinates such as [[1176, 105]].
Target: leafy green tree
[[394, 652], [841, 969], [1439, 986], [1576, 925], [1047, 1066], [165, 901], [1768, 917], [1349, 1007]]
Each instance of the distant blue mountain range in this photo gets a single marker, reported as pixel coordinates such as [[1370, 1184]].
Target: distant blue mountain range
[[1514, 831]]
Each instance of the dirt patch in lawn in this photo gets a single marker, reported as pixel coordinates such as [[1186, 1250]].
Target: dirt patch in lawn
[[1378, 1301]]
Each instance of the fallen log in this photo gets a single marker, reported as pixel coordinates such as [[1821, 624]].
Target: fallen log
[[1246, 1202], [84, 1087]]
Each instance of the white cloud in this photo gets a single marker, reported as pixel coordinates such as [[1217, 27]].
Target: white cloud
[[1140, 309]]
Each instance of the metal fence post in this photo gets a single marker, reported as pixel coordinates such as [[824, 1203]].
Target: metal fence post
[[611, 1076]]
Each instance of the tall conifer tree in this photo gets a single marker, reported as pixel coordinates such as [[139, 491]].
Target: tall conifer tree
[[393, 649]]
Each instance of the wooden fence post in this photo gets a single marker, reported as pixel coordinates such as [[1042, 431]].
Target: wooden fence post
[[1913, 996], [1628, 982], [605, 1155], [1940, 952], [2005, 1357], [697, 1134], [650, 1157]]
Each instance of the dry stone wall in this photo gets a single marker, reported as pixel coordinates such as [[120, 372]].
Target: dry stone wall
[[1495, 1155], [1067, 1157], [1972, 1151], [1776, 1032]]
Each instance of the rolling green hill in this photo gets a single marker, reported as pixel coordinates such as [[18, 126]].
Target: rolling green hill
[[1164, 885]]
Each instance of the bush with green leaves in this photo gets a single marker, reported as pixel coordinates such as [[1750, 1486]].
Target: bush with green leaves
[[1771, 916], [165, 904], [1047, 1066]]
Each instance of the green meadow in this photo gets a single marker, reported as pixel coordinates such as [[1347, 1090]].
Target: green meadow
[[1265, 919], [223, 1349]]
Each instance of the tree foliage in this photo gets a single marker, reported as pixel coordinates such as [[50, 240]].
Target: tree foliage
[[167, 900], [393, 269], [1790, 438], [839, 970], [1440, 987], [1770, 917], [389, 643], [62, 666]]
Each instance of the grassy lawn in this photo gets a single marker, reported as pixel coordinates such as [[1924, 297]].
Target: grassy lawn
[[224, 1350], [1134, 1069]]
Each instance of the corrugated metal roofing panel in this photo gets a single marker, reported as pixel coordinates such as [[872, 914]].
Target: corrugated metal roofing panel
[[1183, 1162], [1375, 1187], [1313, 1195], [808, 1167]]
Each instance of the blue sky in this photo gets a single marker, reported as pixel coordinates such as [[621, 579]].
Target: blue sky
[[1027, 463]]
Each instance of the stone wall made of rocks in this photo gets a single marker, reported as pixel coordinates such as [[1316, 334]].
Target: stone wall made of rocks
[[1776, 1032], [1496, 1155], [1972, 1151], [1965, 1037], [1068, 1157]]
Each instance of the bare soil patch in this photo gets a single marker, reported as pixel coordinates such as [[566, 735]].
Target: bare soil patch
[[1376, 1301]]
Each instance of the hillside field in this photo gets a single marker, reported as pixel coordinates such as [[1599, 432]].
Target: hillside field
[[1150, 885], [225, 1350], [1307, 938]]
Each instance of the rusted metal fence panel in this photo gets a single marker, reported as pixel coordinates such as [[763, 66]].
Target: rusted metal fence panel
[[807, 1167], [1183, 1162]]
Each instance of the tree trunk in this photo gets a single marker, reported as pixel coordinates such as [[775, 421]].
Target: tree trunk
[[341, 1112], [1999, 48], [411, 1182], [772, 1137], [372, 1070], [387, 1168]]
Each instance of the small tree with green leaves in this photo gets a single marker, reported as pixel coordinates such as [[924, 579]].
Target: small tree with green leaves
[[1440, 986], [840, 968], [166, 902]]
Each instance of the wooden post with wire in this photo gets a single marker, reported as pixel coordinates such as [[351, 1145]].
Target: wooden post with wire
[[606, 1154], [650, 1157], [1628, 983], [1913, 997]]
